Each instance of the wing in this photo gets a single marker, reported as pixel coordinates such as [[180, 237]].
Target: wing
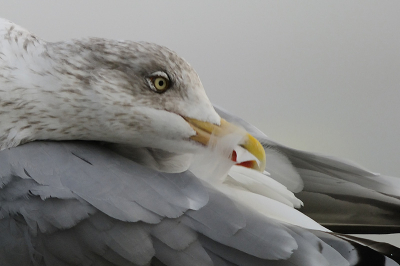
[[338, 194], [76, 203]]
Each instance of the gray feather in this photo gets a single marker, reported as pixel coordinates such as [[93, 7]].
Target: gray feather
[[194, 254], [253, 238], [174, 233]]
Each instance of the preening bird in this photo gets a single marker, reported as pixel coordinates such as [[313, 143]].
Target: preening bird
[[112, 154]]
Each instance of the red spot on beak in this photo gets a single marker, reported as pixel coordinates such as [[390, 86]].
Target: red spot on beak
[[247, 164], [234, 156]]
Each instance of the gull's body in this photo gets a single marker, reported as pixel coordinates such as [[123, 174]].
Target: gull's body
[[115, 190]]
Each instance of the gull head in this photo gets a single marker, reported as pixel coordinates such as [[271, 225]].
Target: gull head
[[131, 94]]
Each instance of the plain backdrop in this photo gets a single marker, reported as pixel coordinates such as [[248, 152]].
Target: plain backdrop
[[322, 76]]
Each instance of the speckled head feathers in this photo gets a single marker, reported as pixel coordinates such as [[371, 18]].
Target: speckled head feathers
[[95, 89]]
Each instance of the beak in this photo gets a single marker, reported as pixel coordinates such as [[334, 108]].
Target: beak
[[204, 130]]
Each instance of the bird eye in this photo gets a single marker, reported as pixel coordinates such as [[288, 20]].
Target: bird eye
[[159, 81]]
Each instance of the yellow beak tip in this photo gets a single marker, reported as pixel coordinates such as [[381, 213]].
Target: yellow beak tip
[[253, 146]]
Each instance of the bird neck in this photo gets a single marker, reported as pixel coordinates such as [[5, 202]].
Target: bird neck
[[35, 96], [48, 94]]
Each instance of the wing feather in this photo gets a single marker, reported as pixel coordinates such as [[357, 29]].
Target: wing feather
[[56, 222], [338, 194]]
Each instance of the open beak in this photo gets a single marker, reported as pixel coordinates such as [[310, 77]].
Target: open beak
[[205, 130]]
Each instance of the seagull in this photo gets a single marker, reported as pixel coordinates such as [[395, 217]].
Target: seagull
[[112, 154]]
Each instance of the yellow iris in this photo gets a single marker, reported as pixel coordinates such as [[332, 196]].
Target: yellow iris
[[160, 83]]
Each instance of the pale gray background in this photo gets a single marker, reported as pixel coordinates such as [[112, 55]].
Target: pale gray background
[[322, 76]]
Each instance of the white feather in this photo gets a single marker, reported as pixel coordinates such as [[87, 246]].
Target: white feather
[[262, 184]]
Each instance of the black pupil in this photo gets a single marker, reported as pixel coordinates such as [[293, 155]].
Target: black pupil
[[160, 83]]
